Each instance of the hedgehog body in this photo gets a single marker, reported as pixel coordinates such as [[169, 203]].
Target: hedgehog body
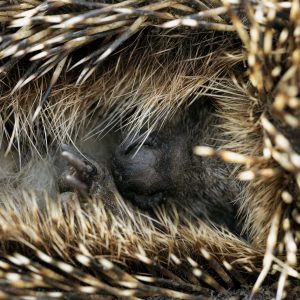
[[62, 87], [159, 170]]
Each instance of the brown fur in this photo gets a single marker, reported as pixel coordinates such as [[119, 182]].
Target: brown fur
[[154, 74]]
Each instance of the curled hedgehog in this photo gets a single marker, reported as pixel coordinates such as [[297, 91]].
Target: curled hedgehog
[[148, 149]]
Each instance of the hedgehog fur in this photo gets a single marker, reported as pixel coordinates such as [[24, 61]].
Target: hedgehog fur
[[79, 70]]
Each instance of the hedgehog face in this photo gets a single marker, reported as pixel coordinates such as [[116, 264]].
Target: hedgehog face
[[163, 170], [146, 173]]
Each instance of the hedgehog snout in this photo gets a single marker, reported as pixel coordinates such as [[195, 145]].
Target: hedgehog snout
[[138, 171]]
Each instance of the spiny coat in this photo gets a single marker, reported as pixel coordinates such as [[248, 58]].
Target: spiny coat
[[137, 68]]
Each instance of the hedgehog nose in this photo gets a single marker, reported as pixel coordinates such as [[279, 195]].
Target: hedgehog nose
[[133, 145], [135, 167], [124, 156], [130, 163], [128, 148]]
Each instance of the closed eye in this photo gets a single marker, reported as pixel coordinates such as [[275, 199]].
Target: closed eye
[[152, 141]]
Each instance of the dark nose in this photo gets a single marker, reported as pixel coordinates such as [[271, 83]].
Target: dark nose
[[135, 168]]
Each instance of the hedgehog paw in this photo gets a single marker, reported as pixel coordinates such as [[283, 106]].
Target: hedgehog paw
[[80, 173]]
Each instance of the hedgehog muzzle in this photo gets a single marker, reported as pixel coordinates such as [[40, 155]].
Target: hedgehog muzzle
[[141, 170]]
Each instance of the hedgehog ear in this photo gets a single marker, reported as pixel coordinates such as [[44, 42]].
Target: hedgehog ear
[[198, 110]]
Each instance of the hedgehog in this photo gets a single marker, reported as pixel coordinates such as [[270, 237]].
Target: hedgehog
[[121, 80], [161, 170]]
